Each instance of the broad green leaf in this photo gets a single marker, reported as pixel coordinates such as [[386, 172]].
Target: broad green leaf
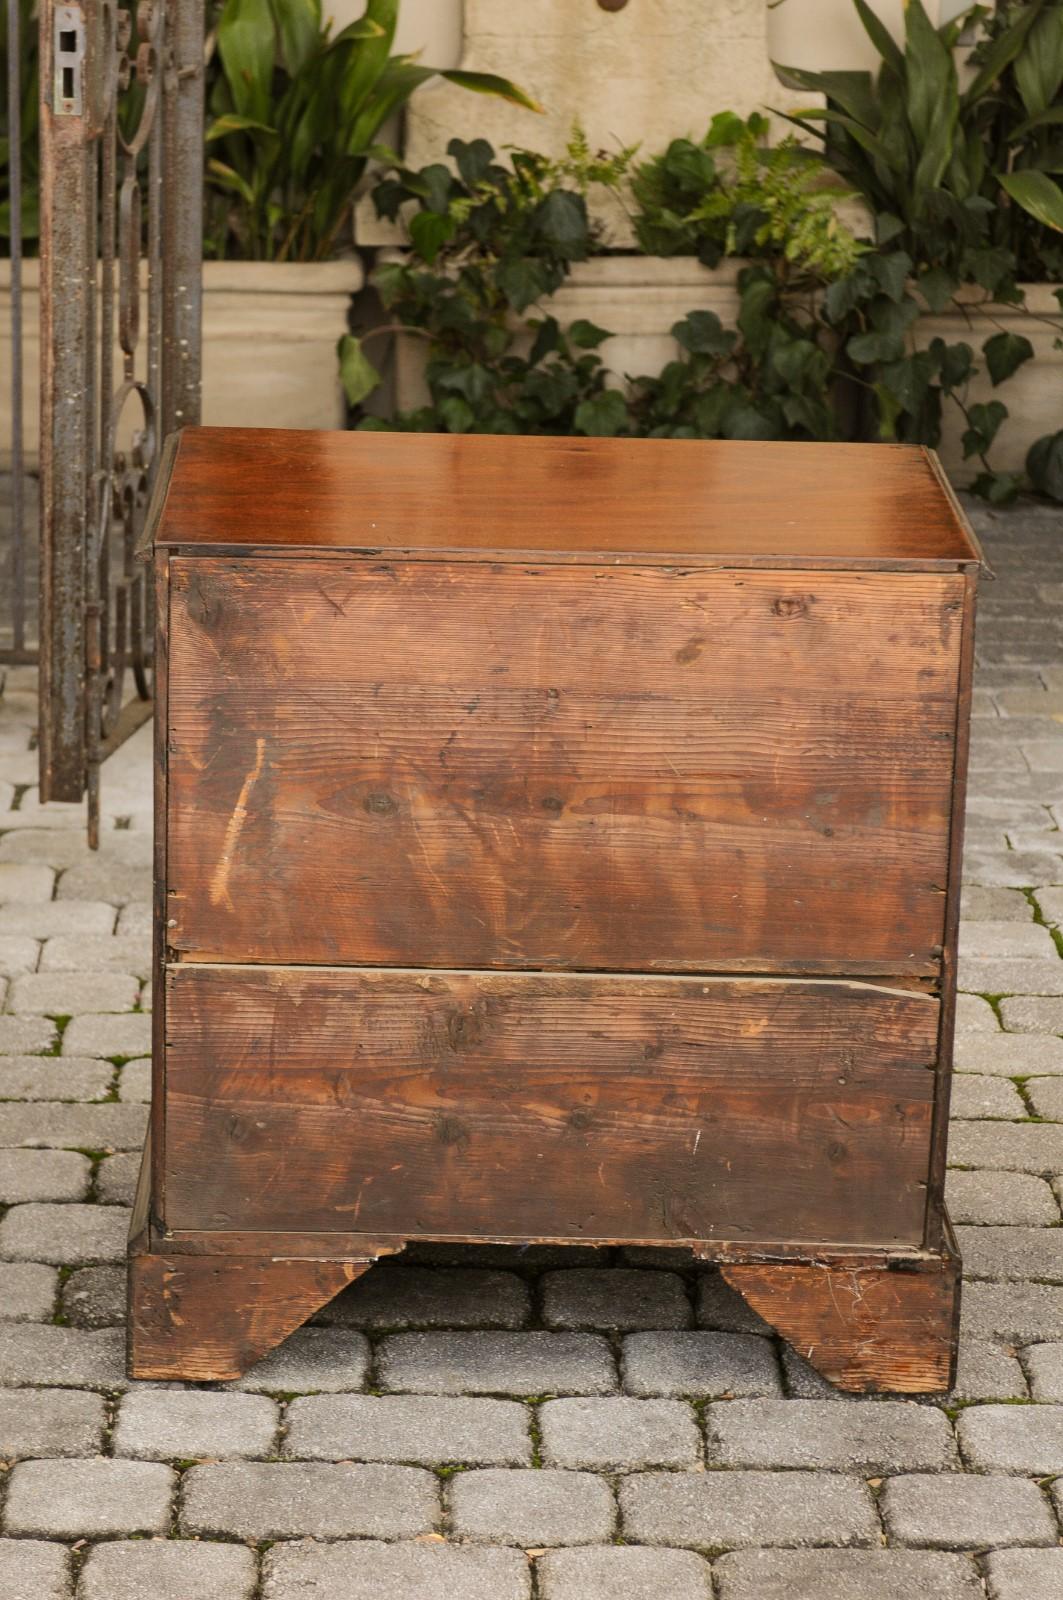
[[1044, 464], [230, 179], [1037, 194], [933, 95], [852, 92], [357, 373], [1045, 119], [247, 44], [298, 24], [602, 416], [491, 83], [1039, 67], [1005, 353], [232, 123], [880, 36], [1001, 53]]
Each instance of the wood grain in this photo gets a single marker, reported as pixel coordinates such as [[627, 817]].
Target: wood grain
[[866, 1329], [582, 768], [561, 1106], [699, 498]]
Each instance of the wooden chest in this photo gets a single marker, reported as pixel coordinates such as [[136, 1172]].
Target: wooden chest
[[556, 839]]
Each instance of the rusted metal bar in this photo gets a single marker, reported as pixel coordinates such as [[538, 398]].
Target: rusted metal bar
[[17, 589], [182, 249]]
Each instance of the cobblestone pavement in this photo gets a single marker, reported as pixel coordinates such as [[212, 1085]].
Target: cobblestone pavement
[[492, 1424]]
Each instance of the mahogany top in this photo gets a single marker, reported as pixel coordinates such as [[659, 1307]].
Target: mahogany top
[[475, 494]]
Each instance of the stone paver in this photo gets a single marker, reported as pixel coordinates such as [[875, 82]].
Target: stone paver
[[531, 1508], [627, 1571], [45, 919], [75, 1499], [1012, 1199], [979, 1095], [68, 1234], [161, 1425], [618, 1435], [368, 1570], [847, 1575], [95, 1297], [20, 885], [285, 1500], [956, 1511], [1008, 1146], [23, 1035], [1024, 1574], [1009, 1055], [730, 1509], [1044, 1365], [310, 1360], [617, 1298], [54, 1078], [497, 1363], [1023, 1439], [1046, 1097], [700, 1364], [175, 1569], [1012, 1253], [67, 994], [70, 1127], [430, 1430], [40, 1354], [31, 1569], [27, 1291], [426, 1297], [1017, 1312], [49, 1422], [128, 1035], [889, 1436]]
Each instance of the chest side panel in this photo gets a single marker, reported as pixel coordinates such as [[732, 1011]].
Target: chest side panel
[[569, 1106], [587, 767]]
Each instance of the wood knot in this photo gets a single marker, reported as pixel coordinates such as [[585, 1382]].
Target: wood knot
[[789, 606], [550, 802], [691, 650], [379, 805]]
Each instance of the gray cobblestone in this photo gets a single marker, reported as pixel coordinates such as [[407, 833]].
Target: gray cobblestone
[[1050, 901], [49, 1422], [84, 1498], [722, 1308], [1018, 977], [117, 882], [1008, 1146], [531, 1508], [67, 993], [1009, 1199], [168, 1569], [996, 905], [39, 1353], [128, 1035], [619, 1434], [1024, 1574], [18, 955], [69, 849], [116, 1177], [1044, 1364], [311, 1360], [497, 1363], [986, 1372], [1032, 1013], [726, 1510], [1046, 1097], [978, 1095], [21, 1036], [431, 1297], [1022, 1439], [98, 953], [98, 1127], [1009, 1055], [368, 1570], [1017, 1312], [974, 1015], [614, 1571], [134, 1081], [701, 1364], [954, 1511], [876, 1437], [616, 1297], [21, 883], [27, 1292], [47, 919], [95, 1297], [847, 1575], [991, 940], [175, 1425], [1012, 1253], [54, 1078], [1011, 868], [428, 1430], [135, 918], [65, 1235], [30, 1569], [284, 1500]]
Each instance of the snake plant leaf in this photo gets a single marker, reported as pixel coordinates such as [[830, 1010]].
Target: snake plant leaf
[[852, 91], [1039, 69], [232, 123], [491, 83], [1036, 193], [880, 36], [298, 24], [1001, 53], [933, 96], [247, 44]]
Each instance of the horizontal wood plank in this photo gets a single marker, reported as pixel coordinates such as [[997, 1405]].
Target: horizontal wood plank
[[556, 767], [564, 1107]]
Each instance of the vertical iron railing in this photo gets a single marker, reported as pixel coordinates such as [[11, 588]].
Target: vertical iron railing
[[16, 651], [121, 197]]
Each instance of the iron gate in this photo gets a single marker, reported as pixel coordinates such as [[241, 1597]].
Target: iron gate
[[121, 152]]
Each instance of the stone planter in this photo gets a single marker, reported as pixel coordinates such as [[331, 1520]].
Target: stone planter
[[639, 298], [269, 344]]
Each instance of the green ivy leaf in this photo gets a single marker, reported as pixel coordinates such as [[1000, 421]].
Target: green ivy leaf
[[1005, 353], [522, 280], [587, 335], [561, 220], [891, 273], [429, 232], [937, 287], [456, 414], [984, 420], [702, 333], [1044, 463], [1000, 488], [357, 373], [602, 416]]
